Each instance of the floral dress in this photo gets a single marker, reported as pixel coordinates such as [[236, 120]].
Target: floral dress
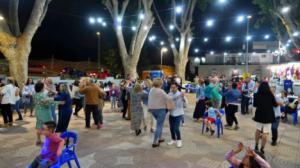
[[43, 108]]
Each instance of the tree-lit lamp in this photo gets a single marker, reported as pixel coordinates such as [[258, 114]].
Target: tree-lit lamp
[[178, 9], [285, 9], [162, 51], [228, 38], [92, 20], [209, 23], [266, 36], [1, 18]]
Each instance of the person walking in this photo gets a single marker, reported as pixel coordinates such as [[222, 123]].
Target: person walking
[[27, 96], [137, 114], [158, 103], [124, 98], [200, 99], [92, 92], [176, 115], [77, 98], [264, 101], [146, 89], [101, 104], [8, 99], [65, 109], [113, 94], [277, 111], [247, 89], [231, 105]]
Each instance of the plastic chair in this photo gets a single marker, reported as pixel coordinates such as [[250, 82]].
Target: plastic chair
[[218, 123], [295, 117], [68, 154]]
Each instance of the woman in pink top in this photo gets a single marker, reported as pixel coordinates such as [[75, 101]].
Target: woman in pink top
[[250, 160]]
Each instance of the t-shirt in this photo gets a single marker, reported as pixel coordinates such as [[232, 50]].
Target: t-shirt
[[211, 113], [277, 110], [50, 147], [8, 93], [178, 100]]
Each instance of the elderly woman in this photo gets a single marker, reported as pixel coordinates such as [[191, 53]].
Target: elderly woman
[[137, 114], [158, 103], [200, 98]]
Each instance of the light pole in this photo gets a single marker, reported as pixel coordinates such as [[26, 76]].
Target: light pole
[[98, 50], [247, 43], [162, 51]]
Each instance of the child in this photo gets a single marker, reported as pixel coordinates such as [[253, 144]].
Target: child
[[52, 147], [176, 115], [212, 115], [251, 159], [113, 93]]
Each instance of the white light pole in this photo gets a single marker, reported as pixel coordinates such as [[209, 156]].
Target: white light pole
[[247, 43], [162, 51], [98, 51]]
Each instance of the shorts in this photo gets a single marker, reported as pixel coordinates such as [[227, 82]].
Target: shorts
[[211, 120], [263, 128]]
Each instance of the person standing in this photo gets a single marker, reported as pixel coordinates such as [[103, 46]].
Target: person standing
[[216, 96], [208, 88], [92, 93], [200, 99], [42, 107], [264, 101], [247, 89], [158, 103], [101, 105], [113, 94], [231, 105], [65, 109], [137, 114], [27, 96], [17, 101], [146, 90], [8, 99], [77, 98], [277, 111], [176, 114], [50, 89]]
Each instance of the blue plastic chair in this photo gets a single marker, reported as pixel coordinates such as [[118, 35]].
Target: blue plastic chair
[[295, 117], [218, 123], [68, 154]]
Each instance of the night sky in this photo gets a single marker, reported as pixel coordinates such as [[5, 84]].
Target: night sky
[[66, 33]]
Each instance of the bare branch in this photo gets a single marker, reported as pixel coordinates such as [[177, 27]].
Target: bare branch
[[190, 16], [124, 7], [35, 19], [14, 18], [161, 21], [174, 16], [185, 15], [109, 7]]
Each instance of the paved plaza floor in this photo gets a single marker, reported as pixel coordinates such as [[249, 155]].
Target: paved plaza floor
[[115, 146]]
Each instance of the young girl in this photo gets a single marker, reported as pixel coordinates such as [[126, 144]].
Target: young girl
[[176, 115], [251, 159], [212, 115]]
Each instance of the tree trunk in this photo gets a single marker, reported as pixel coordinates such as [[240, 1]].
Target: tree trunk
[[181, 58], [130, 68], [18, 65]]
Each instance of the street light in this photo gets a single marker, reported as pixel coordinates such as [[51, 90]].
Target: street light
[[248, 38], [211, 52], [141, 16], [240, 18], [267, 36], [247, 42], [178, 9], [98, 50], [171, 27], [162, 51], [285, 9], [228, 38], [205, 39], [210, 23], [92, 20], [1, 18]]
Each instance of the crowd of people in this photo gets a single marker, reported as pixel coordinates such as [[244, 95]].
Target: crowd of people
[[146, 104]]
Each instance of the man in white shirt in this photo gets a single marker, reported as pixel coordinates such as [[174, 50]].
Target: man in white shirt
[[8, 99]]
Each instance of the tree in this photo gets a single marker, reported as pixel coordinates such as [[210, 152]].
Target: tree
[[16, 45], [112, 61], [289, 19], [130, 55], [183, 25]]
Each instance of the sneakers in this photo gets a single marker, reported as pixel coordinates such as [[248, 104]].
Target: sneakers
[[171, 142], [236, 127], [274, 143], [228, 127], [179, 144]]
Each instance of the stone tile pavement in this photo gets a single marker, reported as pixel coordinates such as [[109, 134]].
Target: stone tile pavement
[[115, 146]]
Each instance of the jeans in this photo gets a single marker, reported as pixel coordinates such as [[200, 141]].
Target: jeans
[[230, 111], [113, 100], [17, 108], [275, 125], [125, 105], [174, 127], [7, 113], [53, 114], [78, 105], [28, 103], [159, 115], [245, 104], [40, 163], [94, 110]]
